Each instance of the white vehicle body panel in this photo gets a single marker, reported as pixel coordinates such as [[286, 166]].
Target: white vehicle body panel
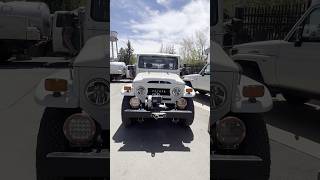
[[227, 75], [87, 67], [117, 68], [283, 64], [200, 81]]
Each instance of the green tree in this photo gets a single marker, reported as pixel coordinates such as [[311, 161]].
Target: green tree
[[169, 49], [126, 54], [193, 49]]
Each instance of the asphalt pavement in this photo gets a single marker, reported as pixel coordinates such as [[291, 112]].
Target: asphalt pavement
[[157, 150]]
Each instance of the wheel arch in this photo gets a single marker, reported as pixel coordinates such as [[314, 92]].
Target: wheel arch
[[265, 65]]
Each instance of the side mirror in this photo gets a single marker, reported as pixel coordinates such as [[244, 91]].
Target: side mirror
[[298, 37]]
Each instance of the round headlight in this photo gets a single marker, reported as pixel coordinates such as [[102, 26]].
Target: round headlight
[[141, 91], [182, 103], [231, 131], [176, 91], [97, 92], [135, 102], [218, 94], [79, 129]]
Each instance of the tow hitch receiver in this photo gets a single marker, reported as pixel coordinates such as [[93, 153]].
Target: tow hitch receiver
[[158, 115]]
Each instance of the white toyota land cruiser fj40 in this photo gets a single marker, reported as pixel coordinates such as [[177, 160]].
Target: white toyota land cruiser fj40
[[289, 66], [73, 137], [239, 137], [157, 92]]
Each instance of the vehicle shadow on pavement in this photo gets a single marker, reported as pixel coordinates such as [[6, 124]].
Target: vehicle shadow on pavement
[[202, 99], [300, 120], [154, 137]]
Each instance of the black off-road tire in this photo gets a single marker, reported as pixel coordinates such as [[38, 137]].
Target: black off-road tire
[[295, 100], [256, 141], [51, 138], [190, 107], [126, 121]]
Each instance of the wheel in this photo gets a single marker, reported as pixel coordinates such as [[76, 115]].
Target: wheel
[[51, 138], [295, 100], [256, 141], [126, 121], [190, 107]]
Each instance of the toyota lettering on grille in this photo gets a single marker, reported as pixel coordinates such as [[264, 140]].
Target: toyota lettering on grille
[[152, 91]]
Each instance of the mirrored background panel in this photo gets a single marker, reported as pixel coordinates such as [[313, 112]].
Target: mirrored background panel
[[54, 102], [160, 82], [263, 88]]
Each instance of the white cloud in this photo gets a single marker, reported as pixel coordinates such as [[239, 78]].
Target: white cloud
[[169, 27], [164, 2]]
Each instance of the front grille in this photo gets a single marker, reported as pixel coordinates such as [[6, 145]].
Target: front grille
[[163, 92], [159, 82]]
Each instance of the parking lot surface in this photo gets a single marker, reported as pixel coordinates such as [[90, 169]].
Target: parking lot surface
[[158, 150]]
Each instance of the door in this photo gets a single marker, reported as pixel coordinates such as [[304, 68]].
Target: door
[[299, 65], [96, 18], [57, 29], [203, 81]]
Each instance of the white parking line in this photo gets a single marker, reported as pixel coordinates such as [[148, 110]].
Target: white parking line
[[202, 106], [291, 140]]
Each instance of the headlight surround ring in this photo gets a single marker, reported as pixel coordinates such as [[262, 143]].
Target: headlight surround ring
[[97, 91], [218, 94], [177, 91], [141, 91]]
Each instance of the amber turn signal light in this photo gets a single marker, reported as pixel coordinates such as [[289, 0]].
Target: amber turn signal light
[[127, 88], [56, 85], [253, 91], [189, 90]]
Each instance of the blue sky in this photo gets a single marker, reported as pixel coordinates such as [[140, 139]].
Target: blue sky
[[150, 23]]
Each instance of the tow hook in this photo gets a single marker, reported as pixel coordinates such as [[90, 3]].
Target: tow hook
[[158, 115], [140, 120], [175, 120]]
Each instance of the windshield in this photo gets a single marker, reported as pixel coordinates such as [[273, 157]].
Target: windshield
[[214, 12], [158, 62], [99, 10]]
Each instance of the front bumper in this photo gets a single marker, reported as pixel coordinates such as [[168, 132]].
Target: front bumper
[[236, 167], [141, 113], [77, 164]]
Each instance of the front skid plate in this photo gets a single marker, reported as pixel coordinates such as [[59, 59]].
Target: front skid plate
[[181, 114]]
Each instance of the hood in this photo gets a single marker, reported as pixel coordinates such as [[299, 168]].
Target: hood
[[191, 76], [117, 65], [268, 48], [94, 53], [221, 61], [146, 77]]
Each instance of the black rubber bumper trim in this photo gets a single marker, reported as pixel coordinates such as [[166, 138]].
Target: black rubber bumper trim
[[182, 114], [75, 164]]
